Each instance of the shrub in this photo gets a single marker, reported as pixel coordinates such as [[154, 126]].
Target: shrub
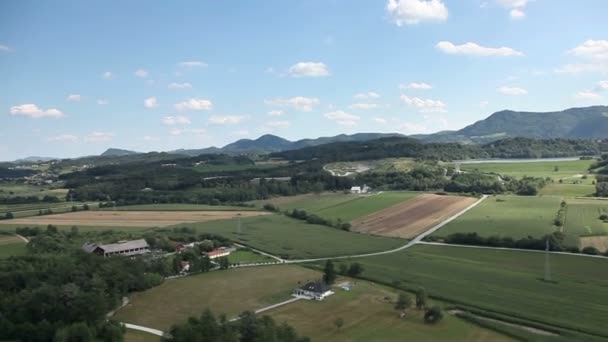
[[433, 315], [590, 250]]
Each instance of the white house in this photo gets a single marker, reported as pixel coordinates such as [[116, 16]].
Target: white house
[[355, 190], [316, 290]]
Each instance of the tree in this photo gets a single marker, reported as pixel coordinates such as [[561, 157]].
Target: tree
[[8, 216], [601, 189], [224, 263], [404, 301], [421, 298], [556, 168], [355, 270], [339, 323], [85, 207], [329, 273], [433, 315], [342, 269], [590, 250]]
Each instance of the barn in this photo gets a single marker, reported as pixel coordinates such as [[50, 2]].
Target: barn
[[125, 248]]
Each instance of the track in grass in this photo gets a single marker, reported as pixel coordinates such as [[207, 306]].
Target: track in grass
[[11, 245]]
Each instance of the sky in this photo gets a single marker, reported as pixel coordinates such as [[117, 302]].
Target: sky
[[78, 77]]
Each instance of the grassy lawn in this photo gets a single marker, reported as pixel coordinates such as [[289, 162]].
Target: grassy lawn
[[178, 207], [290, 238], [583, 217], [569, 190], [369, 316], [514, 216], [13, 189], [566, 169], [506, 282], [245, 256], [11, 245], [230, 292], [140, 336]]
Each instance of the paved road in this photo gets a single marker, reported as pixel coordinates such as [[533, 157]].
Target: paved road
[[144, 329], [23, 238], [270, 307]]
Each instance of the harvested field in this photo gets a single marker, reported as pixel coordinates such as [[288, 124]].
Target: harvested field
[[130, 218], [599, 242], [411, 218]]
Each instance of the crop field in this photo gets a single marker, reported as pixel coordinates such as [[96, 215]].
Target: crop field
[[140, 336], [244, 256], [294, 239], [346, 207], [229, 292], [565, 169], [507, 282], [512, 216], [413, 217], [368, 314], [599, 242], [11, 245], [178, 207], [27, 210], [565, 189], [582, 217], [129, 218], [14, 189]]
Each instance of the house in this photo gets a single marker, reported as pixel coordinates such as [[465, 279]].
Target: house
[[219, 252], [179, 248], [184, 266], [126, 248], [316, 290], [355, 190]]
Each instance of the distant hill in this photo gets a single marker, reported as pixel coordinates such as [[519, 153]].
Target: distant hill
[[34, 159], [573, 123], [116, 152]]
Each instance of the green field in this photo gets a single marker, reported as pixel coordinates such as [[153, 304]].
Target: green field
[[506, 282], [346, 207], [179, 207], [513, 216], [11, 245], [369, 316], [13, 189], [140, 336], [570, 190], [27, 210], [583, 217], [230, 292], [566, 169], [245, 256], [294, 239]]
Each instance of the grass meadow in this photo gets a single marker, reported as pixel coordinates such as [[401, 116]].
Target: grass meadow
[[11, 245], [565, 170], [582, 217], [179, 207]]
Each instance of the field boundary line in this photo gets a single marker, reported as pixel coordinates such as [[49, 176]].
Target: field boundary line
[[22, 238], [270, 307], [511, 249], [144, 329]]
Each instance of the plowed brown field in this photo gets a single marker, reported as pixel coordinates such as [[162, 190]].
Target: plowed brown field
[[130, 218], [413, 217]]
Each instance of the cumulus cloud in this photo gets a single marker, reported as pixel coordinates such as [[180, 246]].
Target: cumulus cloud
[[31, 110], [309, 69], [194, 104], [517, 14], [276, 112], [97, 136], [512, 90], [107, 75], [473, 49], [380, 121], [225, 119], [175, 120], [277, 124], [193, 64], [300, 103], [151, 102], [411, 12], [424, 105], [591, 49], [595, 56], [74, 97], [601, 86], [587, 95], [102, 102], [141, 73], [175, 85], [416, 86], [342, 118], [4, 48], [516, 7], [64, 138], [366, 96], [363, 106]]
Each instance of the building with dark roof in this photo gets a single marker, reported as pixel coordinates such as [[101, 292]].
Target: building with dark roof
[[316, 290], [125, 248]]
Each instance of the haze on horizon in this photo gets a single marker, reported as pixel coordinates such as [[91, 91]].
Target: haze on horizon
[[79, 77]]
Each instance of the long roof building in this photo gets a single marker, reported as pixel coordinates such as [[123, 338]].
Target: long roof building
[[125, 248]]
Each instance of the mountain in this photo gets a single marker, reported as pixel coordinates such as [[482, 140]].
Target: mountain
[[264, 144], [116, 152], [34, 159], [573, 123]]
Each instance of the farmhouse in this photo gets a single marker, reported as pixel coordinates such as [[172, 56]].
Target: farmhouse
[[316, 290], [360, 190], [220, 252], [126, 248]]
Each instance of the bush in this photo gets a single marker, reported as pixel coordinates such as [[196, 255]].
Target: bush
[[590, 250], [433, 315]]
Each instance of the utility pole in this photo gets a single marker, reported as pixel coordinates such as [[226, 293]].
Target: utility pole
[[547, 264], [238, 226]]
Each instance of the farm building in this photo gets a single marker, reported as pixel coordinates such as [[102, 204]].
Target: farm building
[[220, 252], [316, 290], [126, 248], [360, 189]]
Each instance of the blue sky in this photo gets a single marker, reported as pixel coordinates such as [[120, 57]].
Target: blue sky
[[81, 76]]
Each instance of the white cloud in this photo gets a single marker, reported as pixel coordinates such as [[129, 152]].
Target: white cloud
[[151, 102], [175, 120], [277, 124], [308, 69], [175, 85], [517, 14], [364, 106], [473, 49], [225, 119], [304, 104], [5, 48], [516, 7], [107, 75], [74, 98], [411, 12], [416, 86], [512, 90], [601, 86], [33, 111], [380, 121], [276, 112], [64, 138], [587, 95], [102, 102], [424, 105], [193, 64], [97, 136], [150, 138], [591, 49], [175, 131], [365, 96], [342, 118], [141, 73], [194, 104]]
